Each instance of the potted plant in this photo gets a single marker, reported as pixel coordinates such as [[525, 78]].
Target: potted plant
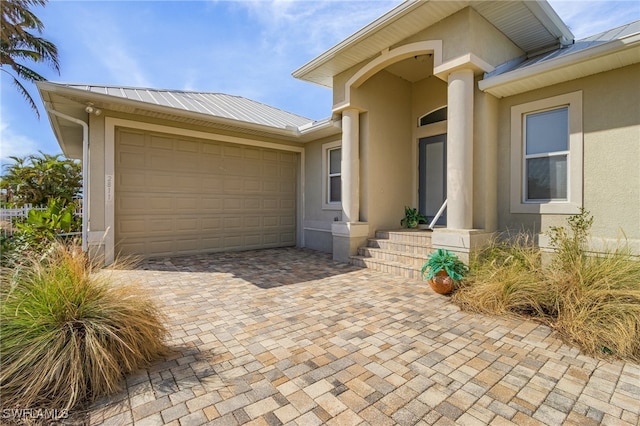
[[412, 218], [442, 270]]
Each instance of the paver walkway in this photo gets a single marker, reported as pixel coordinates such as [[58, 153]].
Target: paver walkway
[[287, 336]]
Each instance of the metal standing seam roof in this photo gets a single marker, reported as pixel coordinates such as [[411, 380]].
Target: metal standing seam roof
[[213, 104], [579, 46]]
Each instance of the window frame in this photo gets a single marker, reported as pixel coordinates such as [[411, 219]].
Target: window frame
[[326, 176], [574, 153], [545, 154]]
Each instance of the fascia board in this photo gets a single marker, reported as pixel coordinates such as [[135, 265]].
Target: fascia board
[[289, 131], [53, 120], [550, 19], [363, 33], [493, 84], [321, 129]]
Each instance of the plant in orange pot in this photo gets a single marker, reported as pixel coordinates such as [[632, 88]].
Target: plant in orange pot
[[442, 270]]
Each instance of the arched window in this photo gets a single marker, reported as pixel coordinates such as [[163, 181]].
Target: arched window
[[433, 117]]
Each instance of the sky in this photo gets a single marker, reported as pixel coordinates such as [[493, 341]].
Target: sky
[[244, 48]]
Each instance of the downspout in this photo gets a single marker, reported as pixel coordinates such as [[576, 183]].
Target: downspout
[[85, 171]]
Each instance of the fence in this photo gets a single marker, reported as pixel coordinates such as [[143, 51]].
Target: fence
[[8, 217]]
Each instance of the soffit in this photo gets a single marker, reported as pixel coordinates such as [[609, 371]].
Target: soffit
[[531, 25], [217, 112], [602, 52]]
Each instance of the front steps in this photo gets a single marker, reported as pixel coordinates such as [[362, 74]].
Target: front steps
[[400, 253]]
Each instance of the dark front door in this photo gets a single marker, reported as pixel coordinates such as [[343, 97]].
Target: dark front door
[[432, 170]]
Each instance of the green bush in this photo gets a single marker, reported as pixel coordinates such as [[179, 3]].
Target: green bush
[[38, 231], [591, 299], [69, 335]]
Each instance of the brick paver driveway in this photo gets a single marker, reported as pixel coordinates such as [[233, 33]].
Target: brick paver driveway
[[287, 336]]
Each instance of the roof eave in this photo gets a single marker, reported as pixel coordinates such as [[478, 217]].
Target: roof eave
[[364, 32], [289, 132], [551, 21], [319, 129], [515, 82], [545, 14]]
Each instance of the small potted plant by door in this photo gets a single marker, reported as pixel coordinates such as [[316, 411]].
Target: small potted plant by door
[[443, 269], [412, 218]]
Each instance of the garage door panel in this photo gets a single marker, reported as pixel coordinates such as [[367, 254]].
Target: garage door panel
[[212, 183], [212, 204], [186, 205], [211, 148], [270, 156], [232, 222], [159, 142], [252, 203], [188, 146], [132, 159], [135, 180], [232, 151], [232, 204], [130, 139], [176, 196], [232, 184]]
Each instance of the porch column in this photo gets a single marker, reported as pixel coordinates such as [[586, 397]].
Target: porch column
[[350, 167], [460, 150], [350, 233]]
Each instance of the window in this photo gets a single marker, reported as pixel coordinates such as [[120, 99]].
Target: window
[[546, 155], [433, 117], [331, 165], [335, 181], [546, 140]]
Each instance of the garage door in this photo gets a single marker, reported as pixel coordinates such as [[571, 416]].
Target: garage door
[[176, 196]]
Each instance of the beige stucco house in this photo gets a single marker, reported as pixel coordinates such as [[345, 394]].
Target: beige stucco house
[[491, 106]]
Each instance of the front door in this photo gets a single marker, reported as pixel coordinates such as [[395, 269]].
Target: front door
[[432, 171]]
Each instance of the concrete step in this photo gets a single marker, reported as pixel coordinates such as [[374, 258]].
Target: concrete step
[[415, 236], [421, 249], [387, 266], [406, 258]]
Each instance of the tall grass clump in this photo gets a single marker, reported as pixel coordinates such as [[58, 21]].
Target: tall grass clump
[[591, 298], [68, 334], [600, 292], [507, 278]]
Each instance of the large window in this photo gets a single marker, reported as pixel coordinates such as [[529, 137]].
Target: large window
[[331, 165], [546, 140], [546, 155]]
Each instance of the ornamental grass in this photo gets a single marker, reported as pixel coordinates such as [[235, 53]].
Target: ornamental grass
[[591, 299], [69, 334]]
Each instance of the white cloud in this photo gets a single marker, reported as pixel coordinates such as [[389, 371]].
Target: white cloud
[[587, 18], [14, 144], [114, 49], [312, 26]]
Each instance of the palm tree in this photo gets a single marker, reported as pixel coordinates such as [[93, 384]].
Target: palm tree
[[20, 41]]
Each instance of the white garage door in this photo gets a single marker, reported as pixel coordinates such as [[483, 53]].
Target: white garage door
[[177, 196]]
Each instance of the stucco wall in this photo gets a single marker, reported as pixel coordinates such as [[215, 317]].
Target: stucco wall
[[463, 32], [317, 219], [428, 95], [611, 136], [386, 150]]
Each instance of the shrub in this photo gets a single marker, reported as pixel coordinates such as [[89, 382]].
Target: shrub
[[68, 334], [38, 231], [591, 299], [506, 277]]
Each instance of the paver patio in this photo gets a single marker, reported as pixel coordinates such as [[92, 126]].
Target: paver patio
[[287, 336]]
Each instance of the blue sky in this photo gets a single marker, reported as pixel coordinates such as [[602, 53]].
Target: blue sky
[[246, 48]]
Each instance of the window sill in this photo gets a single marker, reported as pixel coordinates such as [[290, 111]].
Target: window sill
[[333, 207], [546, 208]]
